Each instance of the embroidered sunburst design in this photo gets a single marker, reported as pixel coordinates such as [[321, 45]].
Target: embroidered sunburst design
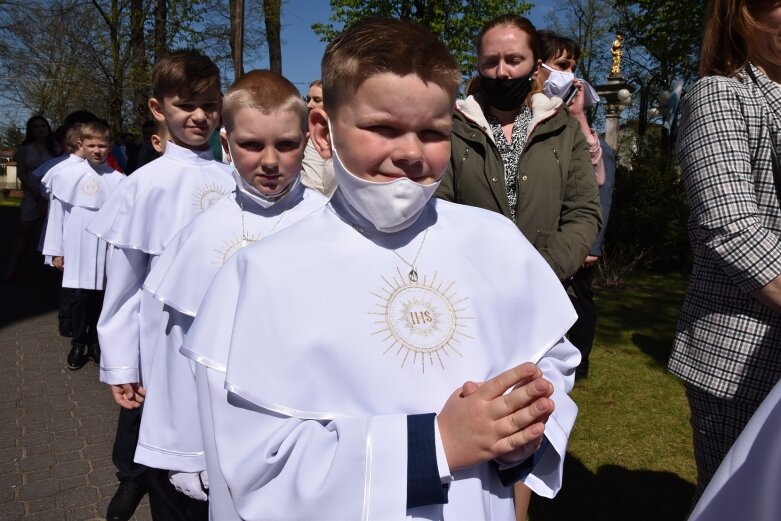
[[207, 195], [231, 246], [89, 186], [423, 322]]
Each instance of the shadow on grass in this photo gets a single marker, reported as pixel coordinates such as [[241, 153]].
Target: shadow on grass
[[642, 313], [615, 494], [36, 289]]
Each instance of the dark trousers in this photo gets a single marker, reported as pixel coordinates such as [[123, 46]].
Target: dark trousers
[[165, 503], [582, 332], [64, 311], [125, 443], [85, 310]]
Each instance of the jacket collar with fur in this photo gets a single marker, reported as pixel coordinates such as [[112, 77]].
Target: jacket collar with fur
[[543, 108]]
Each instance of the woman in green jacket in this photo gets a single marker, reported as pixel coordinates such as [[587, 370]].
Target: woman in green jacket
[[517, 152]]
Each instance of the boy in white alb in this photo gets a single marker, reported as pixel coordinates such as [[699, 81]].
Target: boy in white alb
[[266, 133], [337, 360], [139, 221], [75, 198], [73, 152]]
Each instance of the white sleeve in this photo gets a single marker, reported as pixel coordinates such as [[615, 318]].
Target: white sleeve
[[558, 367], [119, 326], [170, 436], [52, 242], [278, 467]]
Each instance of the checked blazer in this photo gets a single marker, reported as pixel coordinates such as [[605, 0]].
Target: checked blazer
[[727, 343]]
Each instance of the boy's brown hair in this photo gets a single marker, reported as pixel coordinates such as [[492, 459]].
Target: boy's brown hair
[[73, 135], [265, 91], [97, 129], [378, 45], [184, 73]]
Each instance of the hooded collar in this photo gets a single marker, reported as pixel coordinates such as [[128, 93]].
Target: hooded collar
[[542, 108]]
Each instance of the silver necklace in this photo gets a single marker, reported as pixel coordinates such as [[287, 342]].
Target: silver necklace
[[413, 271], [245, 239]]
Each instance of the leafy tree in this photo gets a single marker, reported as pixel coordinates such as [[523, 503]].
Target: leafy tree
[[662, 38], [11, 137], [456, 22]]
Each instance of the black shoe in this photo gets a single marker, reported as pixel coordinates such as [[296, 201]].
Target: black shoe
[[93, 353], [126, 499], [77, 357]]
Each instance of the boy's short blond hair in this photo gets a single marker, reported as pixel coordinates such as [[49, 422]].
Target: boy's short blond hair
[[97, 129], [184, 73], [377, 45], [265, 91], [73, 135]]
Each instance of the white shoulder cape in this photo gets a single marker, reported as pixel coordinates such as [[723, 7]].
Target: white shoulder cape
[[84, 185], [189, 264], [160, 198], [360, 338]]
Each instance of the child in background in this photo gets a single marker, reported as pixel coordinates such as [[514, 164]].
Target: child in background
[[266, 132], [139, 221], [77, 193], [336, 360]]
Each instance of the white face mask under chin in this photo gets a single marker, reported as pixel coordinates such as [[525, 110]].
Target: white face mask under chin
[[265, 201], [390, 207]]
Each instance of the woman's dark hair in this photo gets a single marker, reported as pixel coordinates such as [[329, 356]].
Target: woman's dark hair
[[553, 45], [29, 137]]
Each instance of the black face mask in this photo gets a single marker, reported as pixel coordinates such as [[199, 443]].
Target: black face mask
[[505, 93]]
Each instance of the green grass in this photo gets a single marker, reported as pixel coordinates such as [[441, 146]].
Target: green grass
[[630, 455], [10, 201]]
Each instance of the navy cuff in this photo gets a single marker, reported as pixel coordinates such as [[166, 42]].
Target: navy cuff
[[424, 486], [522, 469]]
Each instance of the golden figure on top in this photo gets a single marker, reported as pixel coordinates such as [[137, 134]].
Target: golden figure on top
[[617, 52]]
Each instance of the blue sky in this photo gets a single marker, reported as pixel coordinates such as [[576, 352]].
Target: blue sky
[[302, 50]]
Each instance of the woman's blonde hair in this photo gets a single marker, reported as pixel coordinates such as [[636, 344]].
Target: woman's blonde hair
[[728, 35]]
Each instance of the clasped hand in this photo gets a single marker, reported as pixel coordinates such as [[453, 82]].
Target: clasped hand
[[129, 396], [482, 422]]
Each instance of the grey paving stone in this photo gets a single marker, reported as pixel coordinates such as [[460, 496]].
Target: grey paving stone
[[39, 489], [37, 475], [39, 505], [48, 515], [12, 511], [67, 443], [77, 497], [10, 480], [35, 451], [62, 457], [73, 482], [10, 454], [82, 513], [103, 476], [34, 440], [70, 469], [37, 462]]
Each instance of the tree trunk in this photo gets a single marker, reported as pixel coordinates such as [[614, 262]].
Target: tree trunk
[[161, 34], [271, 13], [138, 68], [237, 37]]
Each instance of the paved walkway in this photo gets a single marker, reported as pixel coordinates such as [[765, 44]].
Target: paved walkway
[[56, 429], [56, 426]]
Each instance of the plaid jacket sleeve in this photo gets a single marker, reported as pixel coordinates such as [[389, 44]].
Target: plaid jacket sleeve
[[727, 171]]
